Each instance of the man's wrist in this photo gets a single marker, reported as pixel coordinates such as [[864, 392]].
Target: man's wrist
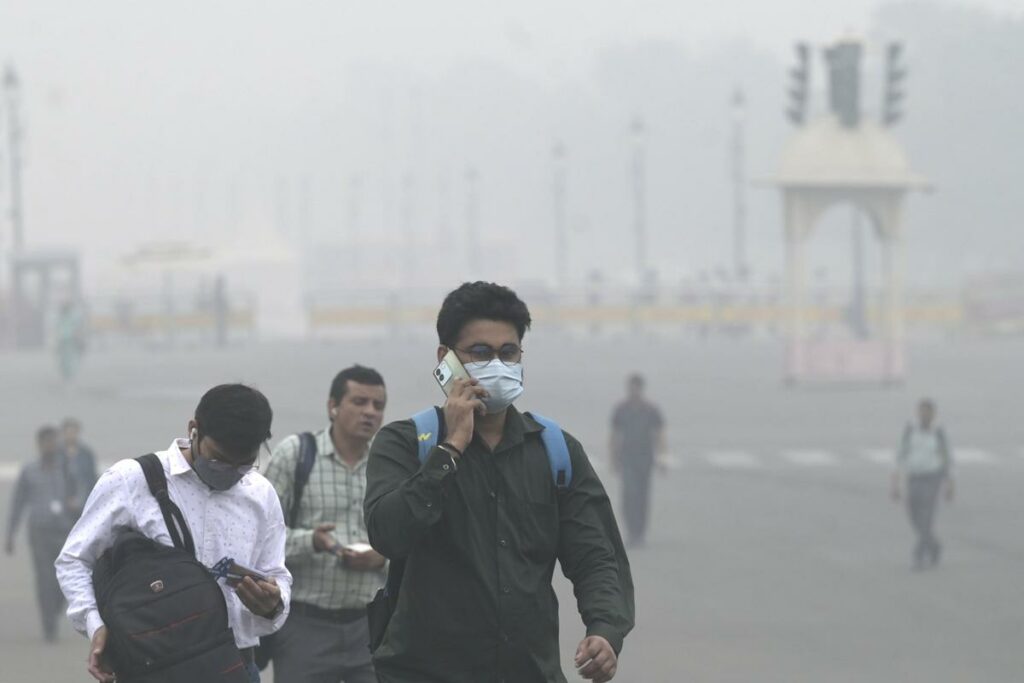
[[276, 611], [454, 450], [459, 442], [93, 622]]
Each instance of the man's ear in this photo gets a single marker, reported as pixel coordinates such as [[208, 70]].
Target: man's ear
[[332, 408], [192, 424], [442, 351]]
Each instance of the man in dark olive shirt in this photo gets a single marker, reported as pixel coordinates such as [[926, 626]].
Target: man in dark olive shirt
[[481, 522]]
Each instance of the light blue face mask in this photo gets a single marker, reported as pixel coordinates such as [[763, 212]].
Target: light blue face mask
[[503, 383]]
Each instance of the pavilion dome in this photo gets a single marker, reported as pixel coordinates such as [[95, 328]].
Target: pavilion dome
[[825, 154]]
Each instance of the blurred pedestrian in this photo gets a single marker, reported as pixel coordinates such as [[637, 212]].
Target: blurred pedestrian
[[637, 443], [924, 463], [320, 479], [81, 462], [476, 507], [44, 487]]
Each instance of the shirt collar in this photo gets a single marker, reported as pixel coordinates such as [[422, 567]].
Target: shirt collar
[[325, 447], [176, 459], [517, 426]]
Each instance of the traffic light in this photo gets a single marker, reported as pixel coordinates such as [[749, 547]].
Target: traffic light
[[799, 77], [895, 76], [843, 61]]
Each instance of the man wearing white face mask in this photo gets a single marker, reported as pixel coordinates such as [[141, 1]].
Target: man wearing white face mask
[[478, 521]]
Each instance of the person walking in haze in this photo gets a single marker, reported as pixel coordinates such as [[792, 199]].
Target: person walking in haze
[[229, 507], [335, 572], [81, 461], [45, 488], [637, 439], [924, 463], [479, 520]]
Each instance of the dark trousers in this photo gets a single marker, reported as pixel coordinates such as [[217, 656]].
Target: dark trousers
[[310, 649], [636, 495], [46, 545], [922, 500]]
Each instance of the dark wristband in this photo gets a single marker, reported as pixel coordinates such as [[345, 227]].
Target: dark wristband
[[447, 445]]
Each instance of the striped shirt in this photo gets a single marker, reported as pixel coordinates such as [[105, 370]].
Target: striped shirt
[[333, 495]]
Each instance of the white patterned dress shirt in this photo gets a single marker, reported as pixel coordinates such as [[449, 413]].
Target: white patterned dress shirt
[[244, 523]]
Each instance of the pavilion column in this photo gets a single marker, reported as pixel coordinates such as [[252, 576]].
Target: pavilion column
[[796, 229], [893, 316]]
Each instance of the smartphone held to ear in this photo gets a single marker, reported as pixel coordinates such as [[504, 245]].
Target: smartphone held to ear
[[448, 370]]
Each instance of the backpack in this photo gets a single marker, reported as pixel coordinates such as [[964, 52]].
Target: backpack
[[166, 618], [429, 432], [264, 652]]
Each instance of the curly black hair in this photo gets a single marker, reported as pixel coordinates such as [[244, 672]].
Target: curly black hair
[[480, 301]]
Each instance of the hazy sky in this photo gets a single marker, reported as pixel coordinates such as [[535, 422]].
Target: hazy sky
[[118, 91]]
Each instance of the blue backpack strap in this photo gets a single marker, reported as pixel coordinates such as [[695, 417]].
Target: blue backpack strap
[[558, 451], [428, 431]]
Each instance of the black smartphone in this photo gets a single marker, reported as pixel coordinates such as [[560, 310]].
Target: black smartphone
[[237, 573]]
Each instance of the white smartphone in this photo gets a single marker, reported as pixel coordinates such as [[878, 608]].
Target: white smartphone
[[448, 370]]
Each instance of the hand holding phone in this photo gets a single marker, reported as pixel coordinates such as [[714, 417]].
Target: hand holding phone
[[237, 573], [361, 557], [464, 399], [448, 371]]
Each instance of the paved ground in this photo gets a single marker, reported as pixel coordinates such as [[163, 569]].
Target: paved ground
[[775, 554]]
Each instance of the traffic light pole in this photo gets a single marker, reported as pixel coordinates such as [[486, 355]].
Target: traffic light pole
[[14, 154], [739, 215], [639, 200]]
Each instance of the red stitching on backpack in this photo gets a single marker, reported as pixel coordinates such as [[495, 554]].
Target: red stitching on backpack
[[233, 668], [191, 617]]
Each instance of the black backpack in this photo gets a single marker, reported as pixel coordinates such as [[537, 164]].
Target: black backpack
[[166, 618]]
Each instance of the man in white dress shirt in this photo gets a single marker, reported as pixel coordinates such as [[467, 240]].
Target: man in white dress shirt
[[231, 510]]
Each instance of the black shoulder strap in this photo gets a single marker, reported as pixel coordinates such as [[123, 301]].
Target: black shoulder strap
[[303, 468], [175, 521]]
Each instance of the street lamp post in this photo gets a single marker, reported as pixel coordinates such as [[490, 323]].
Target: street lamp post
[[739, 198], [473, 219], [639, 133], [11, 91], [558, 199]]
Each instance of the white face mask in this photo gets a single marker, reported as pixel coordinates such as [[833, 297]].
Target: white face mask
[[503, 382]]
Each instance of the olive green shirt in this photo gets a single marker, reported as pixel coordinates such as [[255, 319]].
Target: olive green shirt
[[480, 541]]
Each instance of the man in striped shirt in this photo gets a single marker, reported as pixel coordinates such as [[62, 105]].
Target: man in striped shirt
[[335, 572]]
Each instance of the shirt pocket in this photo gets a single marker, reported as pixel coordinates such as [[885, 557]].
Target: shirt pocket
[[537, 527]]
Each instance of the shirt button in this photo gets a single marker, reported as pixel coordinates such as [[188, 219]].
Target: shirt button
[[445, 467], [504, 637], [503, 543], [492, 494], [506, 590], [429, 504]]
